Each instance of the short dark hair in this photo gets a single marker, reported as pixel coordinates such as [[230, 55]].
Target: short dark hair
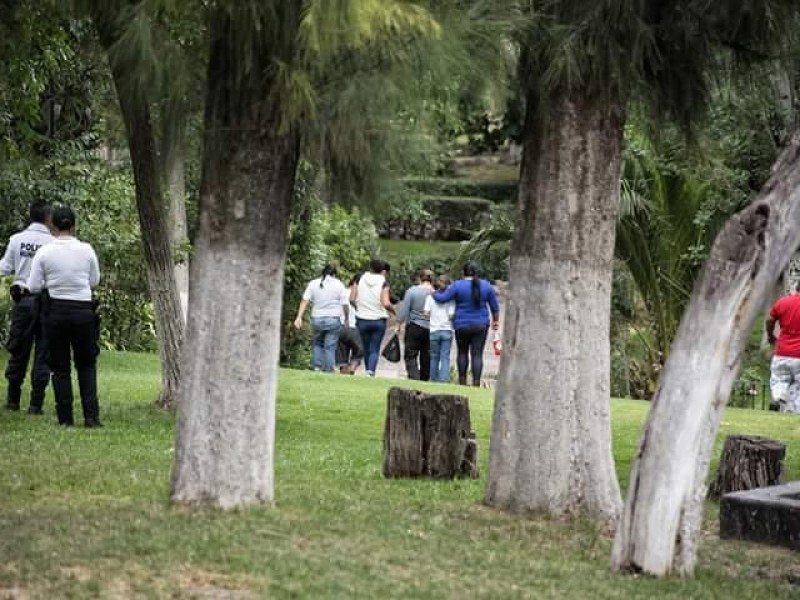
[[39, 211], [63, 218]]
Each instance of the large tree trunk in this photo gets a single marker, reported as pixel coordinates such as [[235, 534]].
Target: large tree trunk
[[152, 214], [174, 159], [551, 435], [226, 412], [663, 511]]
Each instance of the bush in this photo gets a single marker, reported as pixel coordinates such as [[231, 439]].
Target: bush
[[440, 218], [318, 235], [103, 198], [496, 191]]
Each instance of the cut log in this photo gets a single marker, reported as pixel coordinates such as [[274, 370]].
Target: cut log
[[429, 436], [748, 462], [770, 515]]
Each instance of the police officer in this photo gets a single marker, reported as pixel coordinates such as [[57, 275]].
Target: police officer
[[68, 270], [26, 330]]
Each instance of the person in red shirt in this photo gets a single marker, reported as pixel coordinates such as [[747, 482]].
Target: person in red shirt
[[785, 368]]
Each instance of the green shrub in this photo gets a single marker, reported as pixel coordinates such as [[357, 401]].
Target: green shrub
[[496, 191], [103, 198]]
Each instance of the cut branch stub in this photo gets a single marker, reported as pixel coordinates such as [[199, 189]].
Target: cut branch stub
[[428, 435], [748, 462]]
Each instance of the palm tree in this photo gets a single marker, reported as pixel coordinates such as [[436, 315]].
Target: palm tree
[[582, 64]]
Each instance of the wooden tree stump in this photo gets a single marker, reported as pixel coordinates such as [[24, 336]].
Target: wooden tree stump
[[748, 462], [428, 436]]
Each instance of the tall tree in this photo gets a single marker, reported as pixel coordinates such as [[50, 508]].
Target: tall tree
[[113, 21], [582, 62], [258, 91], [659, 529]]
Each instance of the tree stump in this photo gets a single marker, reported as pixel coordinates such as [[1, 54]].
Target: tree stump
[[428, 435], [748, 462]]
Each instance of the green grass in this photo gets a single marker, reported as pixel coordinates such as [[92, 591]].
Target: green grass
[[402, 249], [84, 513]]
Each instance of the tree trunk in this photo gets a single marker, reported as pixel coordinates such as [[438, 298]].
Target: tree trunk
[[748, 462], [174, 159], [428, 436], [663, 511], [551, 434], [226, 413], [152, 214]]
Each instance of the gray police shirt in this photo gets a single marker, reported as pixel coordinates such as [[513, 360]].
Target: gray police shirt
[[21, 249]]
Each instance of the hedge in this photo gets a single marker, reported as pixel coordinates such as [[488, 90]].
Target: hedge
[[496, 191]]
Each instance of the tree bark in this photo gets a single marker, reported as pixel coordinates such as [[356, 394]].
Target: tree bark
[[152, 213], [226, 413], [748, 462], [428, 435], [550, 448], [174, 159], [663, 510]]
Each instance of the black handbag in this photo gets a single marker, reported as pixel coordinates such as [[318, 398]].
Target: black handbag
[[391, 351]]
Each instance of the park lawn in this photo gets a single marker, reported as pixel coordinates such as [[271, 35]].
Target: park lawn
[[84, 513]]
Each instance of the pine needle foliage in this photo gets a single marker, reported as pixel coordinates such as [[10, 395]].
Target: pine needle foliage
[[659, 51]]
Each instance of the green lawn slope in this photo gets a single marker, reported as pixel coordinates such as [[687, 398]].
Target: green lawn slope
[[85, 513]]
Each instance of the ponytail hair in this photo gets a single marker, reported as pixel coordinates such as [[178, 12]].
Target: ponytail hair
[[471, 270], [328, 271]]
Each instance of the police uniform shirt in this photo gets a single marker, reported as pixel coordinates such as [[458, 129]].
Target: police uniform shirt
[[21, 249], [67, 267]]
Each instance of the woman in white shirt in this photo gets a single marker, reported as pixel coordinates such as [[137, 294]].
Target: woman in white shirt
[[329, 301], [68, 270], [441, 316], [373, 306]]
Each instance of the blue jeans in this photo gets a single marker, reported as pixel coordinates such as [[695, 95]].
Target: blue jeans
[[326, 336], [440, 355], [371, 331]]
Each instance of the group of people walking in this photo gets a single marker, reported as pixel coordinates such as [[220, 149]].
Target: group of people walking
[[54, 315], [349, 322]]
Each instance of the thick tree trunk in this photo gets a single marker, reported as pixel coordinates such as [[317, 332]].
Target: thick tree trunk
[[551, 435], [174, 159], [152, 215], [226, 413], [663, 511]]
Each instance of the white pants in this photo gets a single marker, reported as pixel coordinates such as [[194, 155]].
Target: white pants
[[784, 382]]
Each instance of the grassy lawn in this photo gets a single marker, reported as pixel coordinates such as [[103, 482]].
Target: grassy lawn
[[400, 249], [84, 513]]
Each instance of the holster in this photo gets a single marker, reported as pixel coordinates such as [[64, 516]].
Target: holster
[[16, 292]]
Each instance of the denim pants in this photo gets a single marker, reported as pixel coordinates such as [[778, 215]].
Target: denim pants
[[326, 337], [440, 355], [372, 331]]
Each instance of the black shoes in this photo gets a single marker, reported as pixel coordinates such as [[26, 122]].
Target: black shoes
[[92, 423], [35, 410], [12, 407]]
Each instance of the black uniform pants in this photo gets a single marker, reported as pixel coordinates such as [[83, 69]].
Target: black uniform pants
[[26, 334], [417, 353], [72, 326]]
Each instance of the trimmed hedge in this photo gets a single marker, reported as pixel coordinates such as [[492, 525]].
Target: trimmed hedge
[[447, 219], [496, 191]]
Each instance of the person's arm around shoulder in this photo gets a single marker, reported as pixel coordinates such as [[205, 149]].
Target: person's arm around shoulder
[[35, 281], [446, 295]]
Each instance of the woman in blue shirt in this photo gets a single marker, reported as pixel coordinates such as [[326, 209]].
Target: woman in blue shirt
[[474, 298]]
